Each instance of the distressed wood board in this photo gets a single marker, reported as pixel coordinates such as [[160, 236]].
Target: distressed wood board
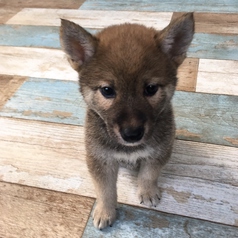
[[206, 189], [33, 212], [214, 23], [134, 222], [89, 18], [163, 5], [36, 62], [69, 4], [47, 100], [187, 75], [218, 76], [7, 13], [199, 117], [8, 86], [214, 46], [204, 45]]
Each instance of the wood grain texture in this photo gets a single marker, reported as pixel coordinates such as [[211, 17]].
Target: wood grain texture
[[200, 180], [206, 118], [214, 46], [204, 45], [69, 4], [7, 13], [214, 23], [163, 5], [199, 117], [134, 222], [8, 86], [218, 76], [33, 212], [89, 18], [29, 36], [36, 62], [48, 100], [187, 75]]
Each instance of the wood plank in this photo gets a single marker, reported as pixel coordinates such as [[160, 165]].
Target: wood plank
[[200, 181], [214, 46], [187, 75], [214, 23], [33, 212], [134, 222], [163, 5], [206, 118], [47, 100], [32, 36], [29, 36], [8, 86], [69, 4], [208, 46], [89, 18], [7, 13], [35, 62], [218, 76], [199, 117]]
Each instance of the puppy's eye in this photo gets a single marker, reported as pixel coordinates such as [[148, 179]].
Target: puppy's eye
[[108, 92], [151, 90]]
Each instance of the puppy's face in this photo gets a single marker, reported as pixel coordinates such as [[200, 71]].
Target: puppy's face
[[127, 73]]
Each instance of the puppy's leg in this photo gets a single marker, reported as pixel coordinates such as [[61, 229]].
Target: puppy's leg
[[104, 176], [148, 191]]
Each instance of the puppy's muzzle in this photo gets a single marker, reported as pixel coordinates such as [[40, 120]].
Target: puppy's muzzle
[[131, 134]]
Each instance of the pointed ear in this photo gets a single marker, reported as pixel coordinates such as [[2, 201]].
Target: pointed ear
[[77, 43], [175, 39]]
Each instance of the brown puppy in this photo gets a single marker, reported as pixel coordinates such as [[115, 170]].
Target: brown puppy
[[127, 78]]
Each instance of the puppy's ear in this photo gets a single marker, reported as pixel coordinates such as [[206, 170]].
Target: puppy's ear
[[175, 39], [77, 43]]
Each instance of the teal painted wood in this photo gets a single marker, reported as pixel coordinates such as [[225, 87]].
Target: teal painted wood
[[47, 100], [206, 46], [214, 46], [136, 222], [199, 117], [206, 117], [222, 6], [31, 36]]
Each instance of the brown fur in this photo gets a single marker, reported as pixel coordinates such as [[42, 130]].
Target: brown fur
[[131, 126]]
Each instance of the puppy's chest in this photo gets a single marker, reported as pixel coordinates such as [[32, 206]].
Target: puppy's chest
[[132, 159]]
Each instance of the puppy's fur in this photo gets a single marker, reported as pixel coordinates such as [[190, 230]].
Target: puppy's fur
[[127, 78]]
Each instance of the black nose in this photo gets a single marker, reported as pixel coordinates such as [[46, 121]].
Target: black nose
[[131, 134]]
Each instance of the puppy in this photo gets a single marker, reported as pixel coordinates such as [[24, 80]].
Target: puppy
[[127, 79]]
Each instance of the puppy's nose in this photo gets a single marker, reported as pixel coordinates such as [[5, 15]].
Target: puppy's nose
[[131, 134]]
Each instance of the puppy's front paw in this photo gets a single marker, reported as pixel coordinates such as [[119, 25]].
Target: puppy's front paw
[[103, 216], [149, 196]]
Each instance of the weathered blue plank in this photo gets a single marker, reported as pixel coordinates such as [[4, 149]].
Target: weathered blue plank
[[199, 117], [229, 6], [31, 36], [206, 46], [206, 117], [136, 222], [47, 100], [214, 46]]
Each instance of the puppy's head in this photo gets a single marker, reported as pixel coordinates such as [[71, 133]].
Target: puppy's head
[[128, 72]]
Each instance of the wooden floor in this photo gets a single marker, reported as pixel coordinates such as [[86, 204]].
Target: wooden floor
[[45, 188]]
